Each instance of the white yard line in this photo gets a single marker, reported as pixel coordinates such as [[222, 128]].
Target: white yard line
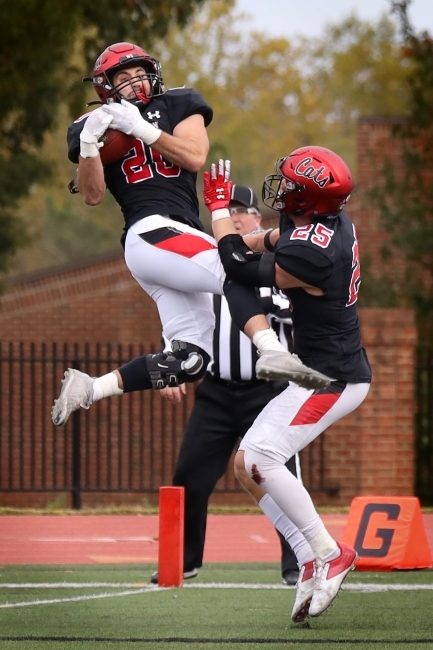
[[77, 598], [135, 588], [348, 586]]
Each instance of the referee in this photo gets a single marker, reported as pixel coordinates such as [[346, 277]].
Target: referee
[[227, 402]]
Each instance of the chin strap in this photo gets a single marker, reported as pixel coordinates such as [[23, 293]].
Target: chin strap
[[73, 187]]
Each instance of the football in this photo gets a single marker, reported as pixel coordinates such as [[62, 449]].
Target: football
[[116, 146]]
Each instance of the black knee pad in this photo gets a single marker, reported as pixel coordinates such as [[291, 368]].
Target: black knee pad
[[185, 363]]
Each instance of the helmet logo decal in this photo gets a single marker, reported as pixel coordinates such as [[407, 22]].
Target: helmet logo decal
[[304, 168]]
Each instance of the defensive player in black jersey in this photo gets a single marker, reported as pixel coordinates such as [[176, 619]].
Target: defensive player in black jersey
[[314, 258], [166, 249]]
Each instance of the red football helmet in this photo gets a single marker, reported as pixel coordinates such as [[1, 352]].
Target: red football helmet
[[115, 58], [310, 181]]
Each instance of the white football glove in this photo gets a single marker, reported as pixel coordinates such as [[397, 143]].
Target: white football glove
[[127, 118], [95, 126]]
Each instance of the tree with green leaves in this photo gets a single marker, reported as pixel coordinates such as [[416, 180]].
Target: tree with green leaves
[[43, 46], [269, 95], [403, 193]]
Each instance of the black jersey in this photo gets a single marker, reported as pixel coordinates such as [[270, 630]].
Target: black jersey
[[326, 328], [143, 182]]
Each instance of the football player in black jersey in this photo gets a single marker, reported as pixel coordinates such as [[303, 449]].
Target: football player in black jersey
[[166, 249], [314, 258]]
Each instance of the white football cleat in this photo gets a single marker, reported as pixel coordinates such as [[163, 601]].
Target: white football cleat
[[275, 365], [77, 388], [329, 578], [304, 591]]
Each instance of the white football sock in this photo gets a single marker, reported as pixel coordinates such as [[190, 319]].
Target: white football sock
[[293, 499], [291, 534], [105, 386], [267, 340], [325, 546]]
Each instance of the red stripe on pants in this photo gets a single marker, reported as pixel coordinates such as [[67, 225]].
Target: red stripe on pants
[[315, 408], [186, 245]]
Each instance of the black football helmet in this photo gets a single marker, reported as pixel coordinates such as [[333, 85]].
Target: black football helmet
[[311, 181]]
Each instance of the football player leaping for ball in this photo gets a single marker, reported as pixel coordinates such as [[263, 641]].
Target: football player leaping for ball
[[166, 249]]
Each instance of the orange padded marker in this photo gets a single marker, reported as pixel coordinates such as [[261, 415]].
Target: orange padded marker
[[388, 533]]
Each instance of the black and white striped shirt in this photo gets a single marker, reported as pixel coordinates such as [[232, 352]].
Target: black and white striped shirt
[[234, 355]]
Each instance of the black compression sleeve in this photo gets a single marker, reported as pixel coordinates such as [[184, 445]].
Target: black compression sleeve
[[244, 265], [243, 303]]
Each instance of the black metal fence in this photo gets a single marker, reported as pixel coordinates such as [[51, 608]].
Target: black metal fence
[[126, 444]]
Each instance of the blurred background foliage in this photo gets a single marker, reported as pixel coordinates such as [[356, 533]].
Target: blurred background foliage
[[403, 193], [269, 96], [46, 47]]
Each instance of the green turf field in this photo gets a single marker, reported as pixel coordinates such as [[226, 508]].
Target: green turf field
[[227, 606]]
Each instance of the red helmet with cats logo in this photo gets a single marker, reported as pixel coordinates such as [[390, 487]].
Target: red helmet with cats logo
[[117, 57], [311, 181]]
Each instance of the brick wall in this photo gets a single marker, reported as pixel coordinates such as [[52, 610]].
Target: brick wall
[[94, 301], [368, 452], [377, 441], [376, 143], [371, 451]]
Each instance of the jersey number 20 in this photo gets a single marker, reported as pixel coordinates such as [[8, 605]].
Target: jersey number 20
[[138, 167]]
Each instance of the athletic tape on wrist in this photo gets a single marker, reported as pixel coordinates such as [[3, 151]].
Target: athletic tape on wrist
[[88, 149], [149, 133], [222, 213]]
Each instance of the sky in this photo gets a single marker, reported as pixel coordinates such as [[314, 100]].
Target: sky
[[308, 17]]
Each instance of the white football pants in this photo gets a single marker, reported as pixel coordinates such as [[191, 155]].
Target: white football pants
[[286, 425], [295, 417], [178, 267]]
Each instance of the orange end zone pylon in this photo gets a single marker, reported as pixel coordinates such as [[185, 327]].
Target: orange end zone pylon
[[170, 547], [388, 533]]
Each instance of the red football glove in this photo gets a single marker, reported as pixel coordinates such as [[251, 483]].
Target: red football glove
[[217, 188]]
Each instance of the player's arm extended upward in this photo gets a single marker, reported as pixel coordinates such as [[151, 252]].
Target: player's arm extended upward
[[256, 240], [188, 147]]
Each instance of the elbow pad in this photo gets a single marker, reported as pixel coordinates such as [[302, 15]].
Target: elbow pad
[[243, 265]]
